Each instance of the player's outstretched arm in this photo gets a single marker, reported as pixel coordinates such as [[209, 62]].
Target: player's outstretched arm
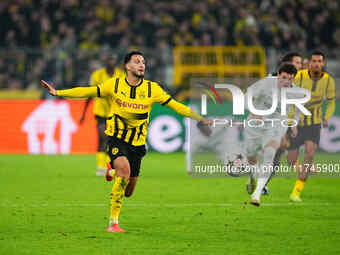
[[78, 92], [187, 112]]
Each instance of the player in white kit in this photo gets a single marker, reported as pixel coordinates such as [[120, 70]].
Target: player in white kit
[[265, 139]]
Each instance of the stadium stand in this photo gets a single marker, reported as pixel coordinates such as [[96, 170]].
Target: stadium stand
[[65, 39]]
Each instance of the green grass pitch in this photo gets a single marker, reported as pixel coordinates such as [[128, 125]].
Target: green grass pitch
[[55, 205]]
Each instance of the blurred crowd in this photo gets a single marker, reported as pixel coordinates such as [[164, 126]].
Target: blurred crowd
[[65, 40]]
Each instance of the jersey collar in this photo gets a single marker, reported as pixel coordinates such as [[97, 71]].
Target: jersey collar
[[322, 74], [140, 83]]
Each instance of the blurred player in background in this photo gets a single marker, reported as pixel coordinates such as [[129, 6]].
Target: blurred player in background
[[131, 101], [101, 108], [322, 88], [264, 140], [295, 59]]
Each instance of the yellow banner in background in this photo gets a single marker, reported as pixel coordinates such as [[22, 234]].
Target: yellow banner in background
[[218, 61], [20, 94]]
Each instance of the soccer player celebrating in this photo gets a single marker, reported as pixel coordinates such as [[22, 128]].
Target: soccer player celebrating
[[265, 139], [131, 100], [101, 109], [321, 86]]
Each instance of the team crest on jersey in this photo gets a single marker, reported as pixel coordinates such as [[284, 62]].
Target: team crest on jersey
[[114, 150], [142, 95]]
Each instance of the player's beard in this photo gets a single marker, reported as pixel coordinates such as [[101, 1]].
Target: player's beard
[[139, 76], [316, 73]]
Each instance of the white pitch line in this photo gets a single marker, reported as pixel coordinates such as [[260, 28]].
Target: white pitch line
[[282, 204]]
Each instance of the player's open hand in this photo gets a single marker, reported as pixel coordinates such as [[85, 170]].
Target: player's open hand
[[49, 87]]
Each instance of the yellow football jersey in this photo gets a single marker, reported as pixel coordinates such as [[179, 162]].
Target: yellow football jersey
[[102, 106], [321, 89], [130, 106]]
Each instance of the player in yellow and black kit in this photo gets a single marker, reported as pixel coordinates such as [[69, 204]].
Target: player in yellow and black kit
[[131, 100], [101, 108], [322, 87]]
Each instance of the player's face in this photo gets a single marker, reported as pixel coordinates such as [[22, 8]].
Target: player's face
[[316, 64], [285, 80], [297, 62], [136, 66]]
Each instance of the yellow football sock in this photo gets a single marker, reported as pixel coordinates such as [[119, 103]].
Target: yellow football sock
[[298, 187], [117, 195], [101, 160]]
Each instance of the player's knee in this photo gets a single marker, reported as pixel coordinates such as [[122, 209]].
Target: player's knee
[[122, 168], [291, 160], [292, 157], [125, 171], [309, 153]]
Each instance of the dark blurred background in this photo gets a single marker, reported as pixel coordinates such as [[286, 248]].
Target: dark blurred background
[[65, 40]]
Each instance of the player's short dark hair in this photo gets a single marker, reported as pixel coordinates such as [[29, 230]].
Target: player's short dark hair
[[289, 57], [317, 53], [128, 56], [287, 68]]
